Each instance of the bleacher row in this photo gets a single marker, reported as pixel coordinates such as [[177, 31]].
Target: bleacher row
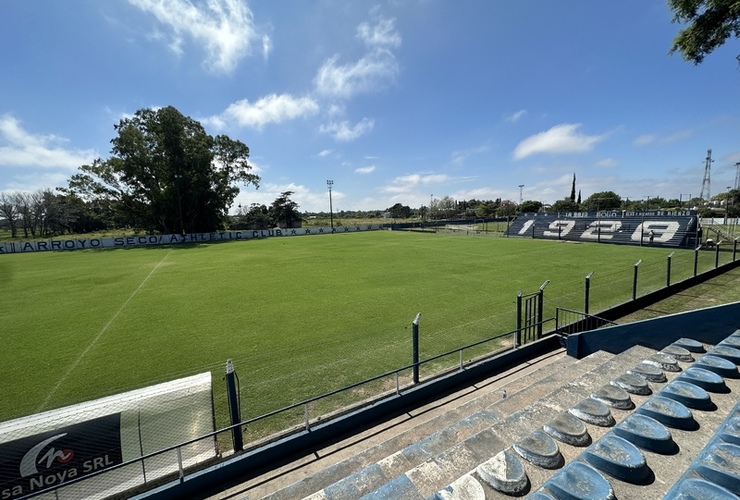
[[639, 424], [678, 230]]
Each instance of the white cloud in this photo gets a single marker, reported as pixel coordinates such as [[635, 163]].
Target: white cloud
[[606, 163], [372, 72], [22, 148], [344, 132], [224, 28], [365, 170], [559, 139], [272, 108], [307, 200], [266, 46], [381, 34], [644, 140], [407, 183], [515, 117], [647, 139], [325, 152], [459, 157]]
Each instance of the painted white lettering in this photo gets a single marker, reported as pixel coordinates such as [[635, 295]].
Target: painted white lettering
[[559, 228], [526, 227], [662, 232], [601, 229], [16, 491]]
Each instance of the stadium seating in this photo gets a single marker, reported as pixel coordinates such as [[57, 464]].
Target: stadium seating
[[639, 424], [672, 229]]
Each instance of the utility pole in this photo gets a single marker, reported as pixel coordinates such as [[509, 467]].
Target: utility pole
[[705, 185], [521, 199]]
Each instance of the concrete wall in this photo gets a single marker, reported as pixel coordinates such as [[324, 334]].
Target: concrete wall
[[709, 325]]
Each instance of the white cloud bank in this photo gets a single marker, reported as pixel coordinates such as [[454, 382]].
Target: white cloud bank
[[344, 132], [272, 108], [24, 149], [371, 72], [224, 28], [559, 139]]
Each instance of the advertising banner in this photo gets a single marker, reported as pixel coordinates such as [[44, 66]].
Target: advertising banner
[[33, 463]]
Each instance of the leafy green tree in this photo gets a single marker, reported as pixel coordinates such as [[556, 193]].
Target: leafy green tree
[[604, 200], [399, 211], [255, 216], [487, 208], [733, 203], [709, 24], [166, 174], [530, 206], [284, 211], [506, 208], [573, 190], [564, 205]]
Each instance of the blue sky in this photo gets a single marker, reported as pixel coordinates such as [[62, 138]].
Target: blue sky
[[395, 101]]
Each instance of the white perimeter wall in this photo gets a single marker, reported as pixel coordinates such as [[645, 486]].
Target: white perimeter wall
[[172, 239]]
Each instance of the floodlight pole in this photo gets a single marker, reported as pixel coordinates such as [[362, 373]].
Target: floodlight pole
[[330, 183]]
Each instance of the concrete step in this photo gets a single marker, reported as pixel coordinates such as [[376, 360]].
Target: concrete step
[[307, 473], [439, 470], [493, 408]]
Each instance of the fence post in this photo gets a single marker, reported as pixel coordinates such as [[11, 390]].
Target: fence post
[[716, 255], [696, 259], [587, 292], [634, 280], [668, 270], [540, 308], [734, 250], [232, 395], [518, 336], [415, 341]]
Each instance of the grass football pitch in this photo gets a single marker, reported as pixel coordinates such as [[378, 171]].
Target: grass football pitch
[[299, 316]]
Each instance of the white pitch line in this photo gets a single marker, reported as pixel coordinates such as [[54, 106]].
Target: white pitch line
[[99, 334]]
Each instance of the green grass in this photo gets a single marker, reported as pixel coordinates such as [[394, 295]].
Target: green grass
[[299, 316]]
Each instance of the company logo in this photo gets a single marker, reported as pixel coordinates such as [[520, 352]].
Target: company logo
[[31, 460]]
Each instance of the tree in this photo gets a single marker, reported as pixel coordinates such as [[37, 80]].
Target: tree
[[605, 200], [506, 208], [709, 24], [9, 212], [573, 190], [166, 174], [284, 211], [530, 206], [487, 208], [564, 205], [257, 217], [399, 211]]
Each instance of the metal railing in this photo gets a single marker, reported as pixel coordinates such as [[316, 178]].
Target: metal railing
[[568, 321], [178, 469]]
